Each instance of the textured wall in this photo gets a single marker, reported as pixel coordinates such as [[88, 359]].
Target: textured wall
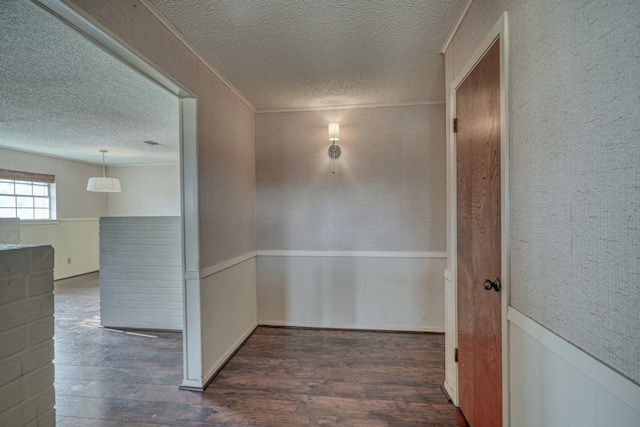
[[575, 166], [226, 134], [73, 200], [146, 191], [388, 192], [225, 129]]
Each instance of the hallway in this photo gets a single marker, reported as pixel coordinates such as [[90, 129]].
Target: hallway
[[280, 377]]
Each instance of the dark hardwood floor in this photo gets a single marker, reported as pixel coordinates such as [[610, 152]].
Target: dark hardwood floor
[[280, 377]]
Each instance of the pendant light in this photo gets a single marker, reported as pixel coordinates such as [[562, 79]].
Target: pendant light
[[102, 184]]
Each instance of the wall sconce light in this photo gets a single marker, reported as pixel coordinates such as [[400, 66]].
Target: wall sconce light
[[334, 135]]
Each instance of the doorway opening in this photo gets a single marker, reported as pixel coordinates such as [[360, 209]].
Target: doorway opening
[[188, 187]]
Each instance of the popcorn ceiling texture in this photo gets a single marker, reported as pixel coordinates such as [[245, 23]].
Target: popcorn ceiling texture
[[388, 192], [226, 129], [299, 54], [62, 95], [575, 167]]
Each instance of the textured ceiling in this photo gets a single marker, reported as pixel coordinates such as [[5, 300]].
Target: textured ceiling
[[61, 95], [283, 54]]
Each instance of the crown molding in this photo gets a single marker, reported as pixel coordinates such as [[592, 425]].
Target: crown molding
[[455, 27], [349, 107], [174, 30]]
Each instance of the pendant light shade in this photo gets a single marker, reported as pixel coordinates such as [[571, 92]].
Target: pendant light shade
[[102, 184]]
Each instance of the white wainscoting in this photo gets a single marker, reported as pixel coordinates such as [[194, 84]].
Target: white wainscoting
[[554, 383], [9, 230], [75, 243], [141, 272], [360, 290], [228, 304]]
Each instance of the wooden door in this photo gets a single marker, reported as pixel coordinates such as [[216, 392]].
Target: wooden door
[[478, 188]]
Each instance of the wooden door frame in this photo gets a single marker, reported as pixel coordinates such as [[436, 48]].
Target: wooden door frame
[[499, 31]]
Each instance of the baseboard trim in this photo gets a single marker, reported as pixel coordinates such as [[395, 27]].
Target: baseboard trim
[[352, 326], [353, 254], [132, 329], [189, 386], [210, 271], [227, 356], [448, 391], [616, 383], [76, 275]]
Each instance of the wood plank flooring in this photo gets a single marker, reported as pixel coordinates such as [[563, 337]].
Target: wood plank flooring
[[280, 377]]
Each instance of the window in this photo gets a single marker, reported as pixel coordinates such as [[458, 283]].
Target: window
[[26, 195]]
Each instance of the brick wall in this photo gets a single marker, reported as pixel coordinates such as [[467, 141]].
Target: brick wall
[[26, 336]]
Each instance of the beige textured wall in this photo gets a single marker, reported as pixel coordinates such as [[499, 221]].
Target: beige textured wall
[[147, 190], [575, 166], [226, 128], [388, 192], [73, 200]]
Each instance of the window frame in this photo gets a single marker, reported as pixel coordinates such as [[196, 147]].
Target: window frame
[[33, 200]]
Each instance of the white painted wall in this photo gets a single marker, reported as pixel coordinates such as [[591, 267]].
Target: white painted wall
[[75, 243], [74, 234], [26, 336], [555, 384], [378, 291], [228, 304], [147, 190], [9, 230], [141, 272]]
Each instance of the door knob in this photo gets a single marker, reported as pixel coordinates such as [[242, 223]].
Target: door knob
[[492, 284]]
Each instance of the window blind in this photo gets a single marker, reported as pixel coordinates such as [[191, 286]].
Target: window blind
[[27, 176]]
